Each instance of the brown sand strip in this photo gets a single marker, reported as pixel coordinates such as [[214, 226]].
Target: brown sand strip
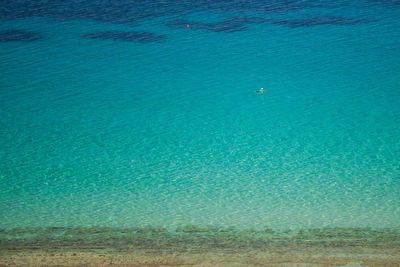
[[199, 246], [250, 258]]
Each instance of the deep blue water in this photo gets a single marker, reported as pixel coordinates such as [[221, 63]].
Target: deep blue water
[[135, 113]]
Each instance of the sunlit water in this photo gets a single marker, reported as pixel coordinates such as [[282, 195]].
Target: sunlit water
[[163, 128]]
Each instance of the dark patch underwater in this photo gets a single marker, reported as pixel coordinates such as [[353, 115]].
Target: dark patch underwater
[[131, 11], [307, 22], [131, 36], [392, 2], [239, 23], [136, 10], [19, 35]]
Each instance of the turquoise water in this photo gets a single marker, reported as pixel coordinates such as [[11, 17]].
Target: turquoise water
[[167, 130]]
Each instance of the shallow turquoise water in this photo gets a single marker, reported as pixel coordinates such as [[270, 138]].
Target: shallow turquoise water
[[170, 133]]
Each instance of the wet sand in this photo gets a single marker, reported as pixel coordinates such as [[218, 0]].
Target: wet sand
[[193, 246], [286, 257]]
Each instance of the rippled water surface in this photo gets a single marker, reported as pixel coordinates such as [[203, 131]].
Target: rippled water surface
[[144, 113]]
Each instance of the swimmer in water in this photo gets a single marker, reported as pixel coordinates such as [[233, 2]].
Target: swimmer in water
[[260, 91]]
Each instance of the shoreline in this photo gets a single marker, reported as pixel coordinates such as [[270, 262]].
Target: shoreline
[[311, 256], [199, 246]]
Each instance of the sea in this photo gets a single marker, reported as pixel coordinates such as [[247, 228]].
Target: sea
[[139, 114]]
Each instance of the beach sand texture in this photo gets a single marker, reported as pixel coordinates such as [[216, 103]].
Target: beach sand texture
[[287, 257], [195, 246]]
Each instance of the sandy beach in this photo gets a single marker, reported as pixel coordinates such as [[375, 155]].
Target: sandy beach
[[311, 256], [197, 246]]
